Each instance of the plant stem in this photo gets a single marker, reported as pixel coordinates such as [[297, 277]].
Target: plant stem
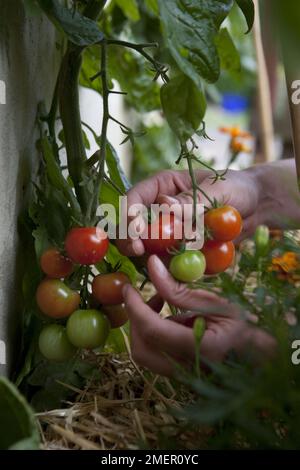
[[68, 95], [52, 119], [140, 49], [103, 140], [194, 185]]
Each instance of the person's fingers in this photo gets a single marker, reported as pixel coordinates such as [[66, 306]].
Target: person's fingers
[[165, 182], [179, 295], [146, 356], [236, 189], [161, 335]]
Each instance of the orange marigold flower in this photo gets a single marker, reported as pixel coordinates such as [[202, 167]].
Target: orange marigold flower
[[235, 131], [288, 262], [237, 146]]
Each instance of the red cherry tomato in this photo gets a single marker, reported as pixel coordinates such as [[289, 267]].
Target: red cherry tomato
[[116, 314], [224, 223], [56, 265], [55, 299], [162, 235], [86, 245], [107, 288], [218, 255]]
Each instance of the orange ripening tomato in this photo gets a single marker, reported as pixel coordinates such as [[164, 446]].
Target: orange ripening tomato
[[107, 288], [55, 299], [55, 264], [218, 255], [223, 223]]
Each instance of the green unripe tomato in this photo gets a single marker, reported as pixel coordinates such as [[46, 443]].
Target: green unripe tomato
[[188, 266], [54, 343], [88, 329], [261, 239]]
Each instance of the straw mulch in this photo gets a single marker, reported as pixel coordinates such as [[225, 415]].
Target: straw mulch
[[127, 409]]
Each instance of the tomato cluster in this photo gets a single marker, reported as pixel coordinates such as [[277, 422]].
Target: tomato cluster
[[81, 325], [222, 225]]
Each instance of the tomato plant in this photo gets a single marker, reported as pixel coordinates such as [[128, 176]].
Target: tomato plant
[[87, 329], [223, 223], [54, 343], [162, 235], [107, 288], [55, 299], [188, 266], [86, 245], [117, 315], [218, 255], [55, 264]]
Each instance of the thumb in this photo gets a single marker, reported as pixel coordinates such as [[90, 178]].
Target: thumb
[[179, 295]]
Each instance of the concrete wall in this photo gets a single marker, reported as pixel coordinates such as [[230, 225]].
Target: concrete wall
[[27, 75]]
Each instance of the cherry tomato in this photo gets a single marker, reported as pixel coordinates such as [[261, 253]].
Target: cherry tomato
[[162, 235], [116, 314], [219, 256], [86, 245], [88, 329], [54, 343], [55, 265], [55, 299], [188, 266], [107, 288], [224, 223]]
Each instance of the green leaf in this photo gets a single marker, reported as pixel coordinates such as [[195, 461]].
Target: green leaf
[[184, 106], [115, 341], [114, 257], [55, 175], [108, 195], [247, 7], [79, 30], [152, 5], [129, 8], [135, 77], [49, 377], [31, 8], [115, 170], [18, 429], [190, 28], [228, 53]]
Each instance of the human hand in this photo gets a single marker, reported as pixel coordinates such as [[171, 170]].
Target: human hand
[[159, 343], [240, 189]]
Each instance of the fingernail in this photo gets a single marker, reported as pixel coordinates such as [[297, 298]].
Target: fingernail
[[159, 265], [167, 199]]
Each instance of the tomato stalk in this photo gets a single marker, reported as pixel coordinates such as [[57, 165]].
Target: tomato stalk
[[68, 97], [103, 140]]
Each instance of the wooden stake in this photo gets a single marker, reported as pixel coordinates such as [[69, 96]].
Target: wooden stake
[[264, 95]]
